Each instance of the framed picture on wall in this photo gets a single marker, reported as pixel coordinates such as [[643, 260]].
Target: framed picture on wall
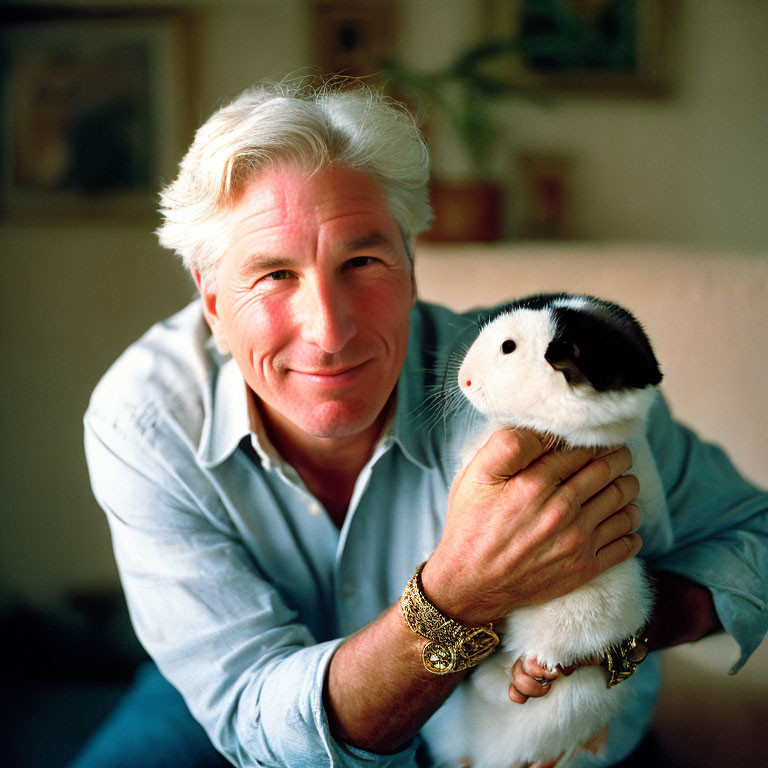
[[351, 37], [619, 46], [97, 111]]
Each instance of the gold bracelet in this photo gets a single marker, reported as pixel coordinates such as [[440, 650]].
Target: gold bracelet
[[450, 646], [622, 658]]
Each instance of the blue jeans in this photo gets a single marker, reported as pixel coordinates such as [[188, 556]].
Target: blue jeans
[[151, 727]]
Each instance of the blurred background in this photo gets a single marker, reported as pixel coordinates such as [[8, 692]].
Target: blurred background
[[626, 140]]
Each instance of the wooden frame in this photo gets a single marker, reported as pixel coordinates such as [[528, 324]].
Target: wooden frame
[[352, 36], [612, 46], [98, 110]]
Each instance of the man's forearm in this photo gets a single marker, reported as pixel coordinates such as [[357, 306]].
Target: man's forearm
[[377, 692], [523, 526], [684, 611]]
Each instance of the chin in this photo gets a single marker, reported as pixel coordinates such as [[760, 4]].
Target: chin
[[338, 419]]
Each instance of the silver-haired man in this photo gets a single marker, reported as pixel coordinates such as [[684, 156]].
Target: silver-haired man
[[270, 488]]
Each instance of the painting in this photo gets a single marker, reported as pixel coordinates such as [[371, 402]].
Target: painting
[[96, 109], [619, 46], [352, 36]]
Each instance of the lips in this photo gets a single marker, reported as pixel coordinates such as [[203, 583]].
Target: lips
[[332, 378]]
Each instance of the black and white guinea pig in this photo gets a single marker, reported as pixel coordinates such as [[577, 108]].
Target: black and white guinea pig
[[580, 370]]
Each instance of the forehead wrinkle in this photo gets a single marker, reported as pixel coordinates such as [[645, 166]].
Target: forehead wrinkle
[[261, 201]]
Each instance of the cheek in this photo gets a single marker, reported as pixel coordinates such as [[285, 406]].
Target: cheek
[[392, 302], [261, 328]]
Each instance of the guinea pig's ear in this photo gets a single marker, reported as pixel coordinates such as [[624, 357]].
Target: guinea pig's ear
[[562, 355]]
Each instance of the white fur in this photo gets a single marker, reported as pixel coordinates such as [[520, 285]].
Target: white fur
[[522, 389]]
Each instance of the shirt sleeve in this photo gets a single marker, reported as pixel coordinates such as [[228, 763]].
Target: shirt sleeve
[[249, 671], [720, 528]]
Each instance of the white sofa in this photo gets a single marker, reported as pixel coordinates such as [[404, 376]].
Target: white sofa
[[706, 313]]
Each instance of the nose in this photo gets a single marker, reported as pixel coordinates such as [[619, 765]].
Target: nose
[[328, 319]]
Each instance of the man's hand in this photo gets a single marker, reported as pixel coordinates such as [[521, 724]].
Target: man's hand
[[525, 525], [531, 680]]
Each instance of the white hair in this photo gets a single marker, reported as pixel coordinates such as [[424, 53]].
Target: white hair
[[297, 125]]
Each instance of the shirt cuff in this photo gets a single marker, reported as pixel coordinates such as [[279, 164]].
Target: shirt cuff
[[292, 727]]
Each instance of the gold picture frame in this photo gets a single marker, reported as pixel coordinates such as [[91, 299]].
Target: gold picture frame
[[592, 46], [97, 109]]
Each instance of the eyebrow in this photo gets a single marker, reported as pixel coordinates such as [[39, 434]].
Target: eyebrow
[[259, 262], [373, 239]]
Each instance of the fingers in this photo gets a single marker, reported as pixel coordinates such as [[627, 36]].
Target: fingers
[[618, 551], [560, 466], [600, 473], [607, 502], [506, 453], [622, 523], [594, 661], [530, 680]]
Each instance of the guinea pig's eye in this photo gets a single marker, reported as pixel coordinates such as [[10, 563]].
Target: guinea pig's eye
[[508, 346]]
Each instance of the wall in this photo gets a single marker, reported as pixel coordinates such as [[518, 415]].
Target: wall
[[691, 168]]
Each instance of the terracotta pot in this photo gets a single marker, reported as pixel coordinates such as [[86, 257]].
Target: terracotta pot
[[468, 211]]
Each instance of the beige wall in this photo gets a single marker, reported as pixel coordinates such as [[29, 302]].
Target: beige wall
[[691, 168]]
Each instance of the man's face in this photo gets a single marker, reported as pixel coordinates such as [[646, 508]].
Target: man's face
[[313, 299]]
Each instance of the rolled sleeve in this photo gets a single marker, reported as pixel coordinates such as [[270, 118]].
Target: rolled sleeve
[[720, 526], [249, 671]]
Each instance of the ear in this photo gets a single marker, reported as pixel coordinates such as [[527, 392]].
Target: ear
[[562, 356], [211, 312]]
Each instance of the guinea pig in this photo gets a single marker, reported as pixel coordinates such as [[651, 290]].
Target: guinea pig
[[581, 371]]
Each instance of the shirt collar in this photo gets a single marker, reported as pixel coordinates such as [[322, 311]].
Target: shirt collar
[[227, 419]]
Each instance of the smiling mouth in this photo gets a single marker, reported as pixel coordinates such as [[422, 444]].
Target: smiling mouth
[[333, 377]]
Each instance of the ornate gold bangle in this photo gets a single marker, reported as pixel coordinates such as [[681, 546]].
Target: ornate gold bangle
[[622, 658], [450, 646]]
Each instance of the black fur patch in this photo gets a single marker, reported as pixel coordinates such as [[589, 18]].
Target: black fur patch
[[599, 341]]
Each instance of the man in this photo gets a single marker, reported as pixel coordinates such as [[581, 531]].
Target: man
[[271, 488]]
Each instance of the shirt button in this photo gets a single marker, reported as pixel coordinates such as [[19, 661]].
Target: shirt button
[[347, 590], [315, 509]]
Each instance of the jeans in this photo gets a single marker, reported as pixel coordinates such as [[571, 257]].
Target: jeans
[[151, 727]]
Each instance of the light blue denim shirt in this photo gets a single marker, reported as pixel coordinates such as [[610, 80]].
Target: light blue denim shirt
[[240, 586]]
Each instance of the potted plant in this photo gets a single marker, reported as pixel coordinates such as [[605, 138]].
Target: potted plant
[[462, 96]]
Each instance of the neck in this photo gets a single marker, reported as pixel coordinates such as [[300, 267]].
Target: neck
[[329, 466]]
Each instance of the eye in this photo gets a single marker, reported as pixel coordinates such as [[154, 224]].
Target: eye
[[359, 261], [280, 274], [508, 346]]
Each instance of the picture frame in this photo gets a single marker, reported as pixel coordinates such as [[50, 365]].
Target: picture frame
[[591, 46], [351, 37], [97, 109]]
